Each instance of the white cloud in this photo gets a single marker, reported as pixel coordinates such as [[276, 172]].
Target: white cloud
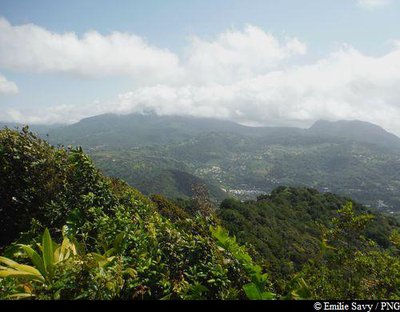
[[237, 54], [33, 48], [52, 115], [372, 4], [345, 85], [248, 76], [6, 86], [233, 55]]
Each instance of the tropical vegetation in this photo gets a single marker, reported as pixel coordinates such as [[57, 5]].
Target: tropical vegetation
[[70, 232]]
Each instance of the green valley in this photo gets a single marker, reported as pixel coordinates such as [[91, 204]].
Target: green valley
[[351, 158]]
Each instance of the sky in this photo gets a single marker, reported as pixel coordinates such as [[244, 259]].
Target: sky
[[256, 62]]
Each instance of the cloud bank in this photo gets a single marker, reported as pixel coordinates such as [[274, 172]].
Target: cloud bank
[[236, 55], [345, 85], [32, 48], [247, 75]]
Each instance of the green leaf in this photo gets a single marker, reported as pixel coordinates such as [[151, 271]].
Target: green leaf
[[252, 292], [8, 262], [101, 260], [48, 252], [19, 267], [167, 297], [267, 295], [131, 272], [63, 252], [35, 258], [21, 295], [118, 240], [20, 274], [110, 252]]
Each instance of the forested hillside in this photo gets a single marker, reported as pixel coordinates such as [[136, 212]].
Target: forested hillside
[[287, 227], [351, 158], [69, 232]]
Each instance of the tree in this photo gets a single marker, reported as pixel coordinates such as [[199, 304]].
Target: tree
[[350, 266]]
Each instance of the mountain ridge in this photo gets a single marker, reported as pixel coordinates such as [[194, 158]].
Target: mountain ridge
[[166, 129], [357, 130], [140, 130], [350, 158]]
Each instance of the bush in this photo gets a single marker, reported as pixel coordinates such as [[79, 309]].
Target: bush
[[129, 246]]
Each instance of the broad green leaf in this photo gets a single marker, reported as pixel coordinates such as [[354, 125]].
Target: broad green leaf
[[35, 258], [255, 293], [48, 252], [63, 252], [267, 295], [55, 245], [25, 268], [65, 248], [57, 256], [21, 295], [19, 267], [252, 292], [8, 261], [20, 274]]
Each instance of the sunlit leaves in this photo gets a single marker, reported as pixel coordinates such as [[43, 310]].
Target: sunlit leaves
[[257, 289]]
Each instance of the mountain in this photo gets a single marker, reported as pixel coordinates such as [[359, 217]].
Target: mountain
[[126, 131], [350, 158], [245, 161], [356, 130]]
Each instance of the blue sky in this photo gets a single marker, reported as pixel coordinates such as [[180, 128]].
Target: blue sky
[[168, 23], [308, 40]]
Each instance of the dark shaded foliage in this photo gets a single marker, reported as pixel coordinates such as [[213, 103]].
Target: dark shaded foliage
[[45, 183]]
